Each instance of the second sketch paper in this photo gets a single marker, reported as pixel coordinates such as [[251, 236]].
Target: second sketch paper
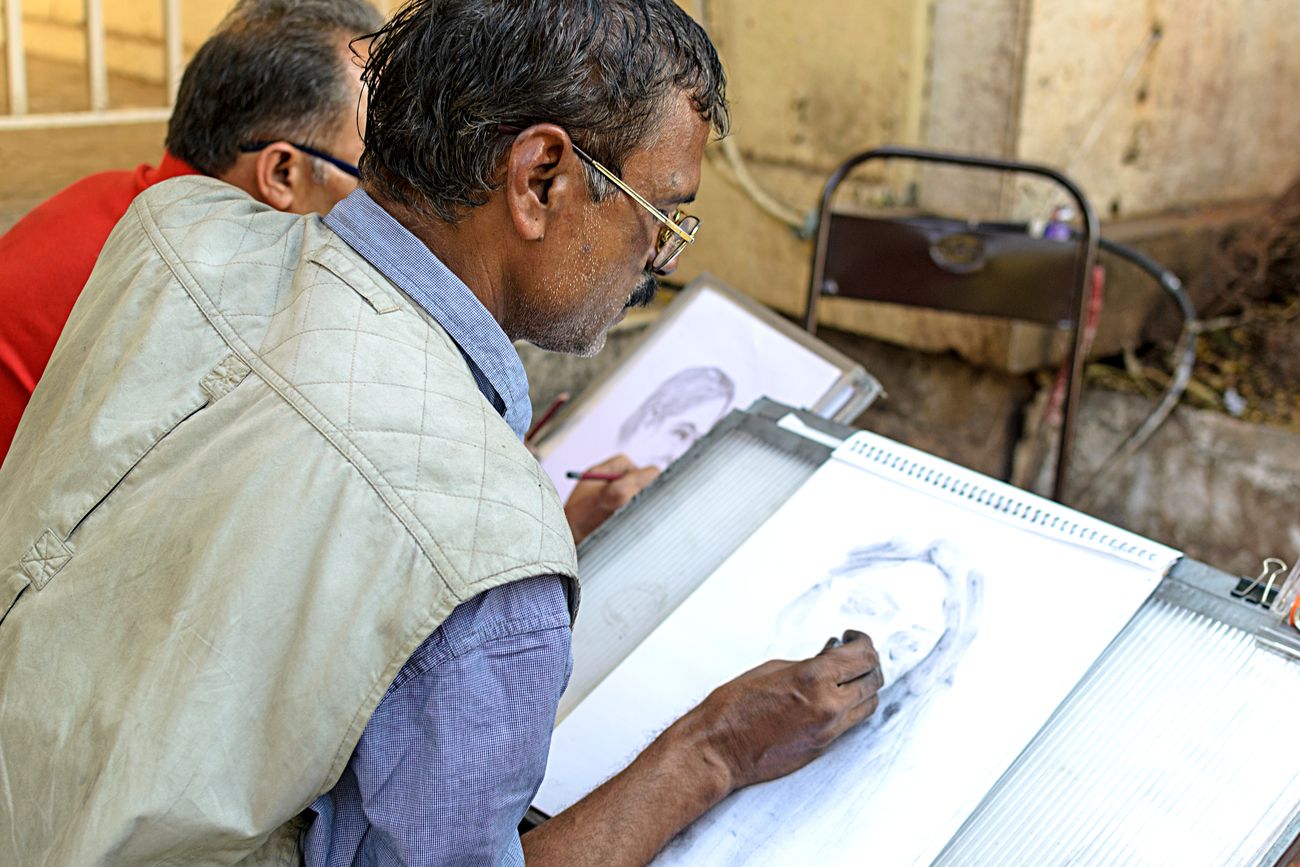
[[983, 629], [715, 357]]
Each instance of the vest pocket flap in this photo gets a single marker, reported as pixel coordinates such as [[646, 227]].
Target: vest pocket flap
[[377, 295], [132, 452]]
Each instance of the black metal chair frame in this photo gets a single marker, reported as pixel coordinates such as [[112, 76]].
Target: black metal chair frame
[[998, 299]]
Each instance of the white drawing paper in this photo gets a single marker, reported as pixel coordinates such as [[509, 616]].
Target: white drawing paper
[[713, 357], [983, 629]]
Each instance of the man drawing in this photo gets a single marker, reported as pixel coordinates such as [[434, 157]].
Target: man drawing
[[282, 580]]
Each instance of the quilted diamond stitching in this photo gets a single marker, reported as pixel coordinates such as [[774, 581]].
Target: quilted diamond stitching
[[298, 324]]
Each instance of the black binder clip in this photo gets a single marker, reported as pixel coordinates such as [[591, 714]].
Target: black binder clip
[[1264, 589]]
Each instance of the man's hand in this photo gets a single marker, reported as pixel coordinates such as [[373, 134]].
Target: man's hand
[[593, 501], [766, 723], [776, 718]]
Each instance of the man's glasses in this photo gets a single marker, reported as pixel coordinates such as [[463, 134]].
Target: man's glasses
[[341, 165], [677, 231]]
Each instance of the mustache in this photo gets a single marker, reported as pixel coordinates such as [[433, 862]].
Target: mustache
[[644, 292]]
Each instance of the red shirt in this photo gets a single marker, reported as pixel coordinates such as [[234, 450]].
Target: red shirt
[[45, 260]]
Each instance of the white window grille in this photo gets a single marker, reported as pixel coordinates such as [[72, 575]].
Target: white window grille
[[19, 116]]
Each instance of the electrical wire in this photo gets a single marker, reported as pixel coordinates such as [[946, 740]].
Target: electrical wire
[[803, 224], [740, 177], [1184, 351]]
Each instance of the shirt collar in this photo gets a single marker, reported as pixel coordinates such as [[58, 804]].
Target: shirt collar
[[404, 259]]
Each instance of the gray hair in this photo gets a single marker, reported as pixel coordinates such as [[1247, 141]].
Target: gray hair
[[273, 70], [445, 76]]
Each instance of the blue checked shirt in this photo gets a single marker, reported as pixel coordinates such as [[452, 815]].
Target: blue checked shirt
[[456, 749]]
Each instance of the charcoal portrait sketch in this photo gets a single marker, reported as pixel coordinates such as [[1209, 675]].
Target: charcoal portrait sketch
[[920, 602], [675, 415]]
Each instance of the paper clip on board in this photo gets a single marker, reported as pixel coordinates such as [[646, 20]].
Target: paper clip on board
[[1265, 589], [1286, 602]]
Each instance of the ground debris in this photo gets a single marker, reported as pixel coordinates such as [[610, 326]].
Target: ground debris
[[1248, 351]]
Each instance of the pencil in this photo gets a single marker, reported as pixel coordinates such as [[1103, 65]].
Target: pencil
[[593, 477], [551, 410]]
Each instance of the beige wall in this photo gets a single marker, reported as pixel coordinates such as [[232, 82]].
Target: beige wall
[[1201, 116], [1208, 115], [53, 29], [1205, 115], [809, 83]]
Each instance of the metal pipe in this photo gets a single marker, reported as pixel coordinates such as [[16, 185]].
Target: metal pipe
[[96, 59], [16, 60], [174, 50]]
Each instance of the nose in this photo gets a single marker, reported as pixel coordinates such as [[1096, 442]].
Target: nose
[[665, 271], [652, 253]]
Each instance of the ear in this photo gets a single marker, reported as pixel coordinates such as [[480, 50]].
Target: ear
[[543, 179], [282, 176]]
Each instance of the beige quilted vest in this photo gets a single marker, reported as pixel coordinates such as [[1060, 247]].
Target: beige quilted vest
[[252, 481]]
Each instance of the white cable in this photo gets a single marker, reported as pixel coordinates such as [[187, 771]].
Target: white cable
[[1120, 87], [740, 176]]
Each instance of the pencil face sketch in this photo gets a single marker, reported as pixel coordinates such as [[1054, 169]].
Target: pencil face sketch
[[677, 413], [708, 355], [920, 603], [953, 594]]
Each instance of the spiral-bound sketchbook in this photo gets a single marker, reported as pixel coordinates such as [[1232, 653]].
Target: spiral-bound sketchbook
[[987, 605]]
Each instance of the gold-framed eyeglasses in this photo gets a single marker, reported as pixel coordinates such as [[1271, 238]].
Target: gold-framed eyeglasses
[[677, 230]]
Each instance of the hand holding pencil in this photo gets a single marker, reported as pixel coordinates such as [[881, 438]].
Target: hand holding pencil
[[593, 476], [602, 490]]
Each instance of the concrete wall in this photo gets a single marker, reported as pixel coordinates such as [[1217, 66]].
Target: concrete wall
[[810, 83], [1221, 490], [1199, 116], [1206, 112]]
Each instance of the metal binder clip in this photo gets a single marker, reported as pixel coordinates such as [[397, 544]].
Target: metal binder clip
[[1260, 591], [1286, 601]]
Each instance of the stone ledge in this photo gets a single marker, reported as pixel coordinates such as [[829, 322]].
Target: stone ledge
[[1222, 490]]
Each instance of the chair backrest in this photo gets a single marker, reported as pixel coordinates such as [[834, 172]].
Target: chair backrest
[[989, 269], [951, 265]]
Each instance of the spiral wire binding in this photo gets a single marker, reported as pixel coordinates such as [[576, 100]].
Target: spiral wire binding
[[1019, 506]]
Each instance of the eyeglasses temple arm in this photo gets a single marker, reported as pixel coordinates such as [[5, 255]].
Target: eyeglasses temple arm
[[619, 182]]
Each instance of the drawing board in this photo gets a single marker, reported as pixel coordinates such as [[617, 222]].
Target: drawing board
[[983, 628]]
